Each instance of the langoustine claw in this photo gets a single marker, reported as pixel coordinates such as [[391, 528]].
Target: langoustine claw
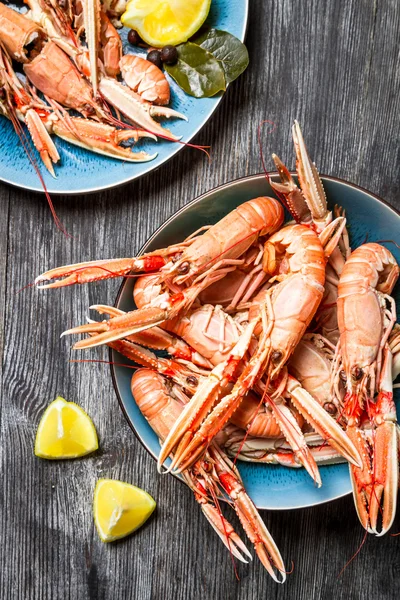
[[137, 110]]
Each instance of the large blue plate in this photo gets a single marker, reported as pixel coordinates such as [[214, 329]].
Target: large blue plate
[[82, 171], [271, 487]]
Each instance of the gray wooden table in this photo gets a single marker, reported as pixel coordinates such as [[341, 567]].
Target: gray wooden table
[[335, 67]]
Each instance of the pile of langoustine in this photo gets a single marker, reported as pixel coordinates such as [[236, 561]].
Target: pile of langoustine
[[283, 349], [78, 76]]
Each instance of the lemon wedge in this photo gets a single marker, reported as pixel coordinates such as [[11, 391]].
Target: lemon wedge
[[120, 508], [162, 22], [65, 431]]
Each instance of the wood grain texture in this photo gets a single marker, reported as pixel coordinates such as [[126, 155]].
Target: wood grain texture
[[335, 67]]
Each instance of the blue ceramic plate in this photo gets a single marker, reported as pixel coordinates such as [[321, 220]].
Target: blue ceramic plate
[[271, 487], [81, 171]]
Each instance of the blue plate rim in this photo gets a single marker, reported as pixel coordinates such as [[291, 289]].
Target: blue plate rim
[[130, 178], [196, 200]]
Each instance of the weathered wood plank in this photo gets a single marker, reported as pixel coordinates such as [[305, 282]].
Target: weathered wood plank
[[335, 67]]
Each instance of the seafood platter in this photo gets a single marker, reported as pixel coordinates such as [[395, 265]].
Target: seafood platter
[[262, 322], [94, 106]]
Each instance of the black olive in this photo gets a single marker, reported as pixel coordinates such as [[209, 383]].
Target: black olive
[[343, 375], [134, 38], [154, 57], [169, 55], [192, 380]]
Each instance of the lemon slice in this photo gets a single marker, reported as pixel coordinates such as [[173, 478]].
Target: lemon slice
[[65, 431], [119, 508], [162, 22]]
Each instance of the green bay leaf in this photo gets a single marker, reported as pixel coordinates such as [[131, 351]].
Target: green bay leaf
[[197, 71], [226, 48]]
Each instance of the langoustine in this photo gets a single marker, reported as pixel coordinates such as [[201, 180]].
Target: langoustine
[[145, 78], [246, 360], [20, 103], [366, 316], [47, 41], [284, 319], [210, 476], [198, 262]]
